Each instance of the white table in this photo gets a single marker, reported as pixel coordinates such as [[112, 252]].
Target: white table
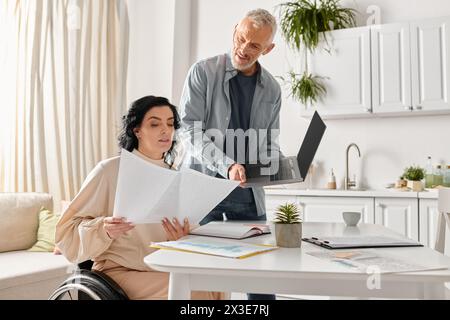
[[293, 271]]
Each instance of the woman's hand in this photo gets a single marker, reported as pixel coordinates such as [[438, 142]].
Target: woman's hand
[[174, 230], [116, 227]]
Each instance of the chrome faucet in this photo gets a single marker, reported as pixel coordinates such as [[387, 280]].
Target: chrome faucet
[[347, 182]]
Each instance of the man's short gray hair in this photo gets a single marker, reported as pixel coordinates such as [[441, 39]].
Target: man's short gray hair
[[262, 17]]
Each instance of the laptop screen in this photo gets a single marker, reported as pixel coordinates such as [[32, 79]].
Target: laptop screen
[[310, 144]]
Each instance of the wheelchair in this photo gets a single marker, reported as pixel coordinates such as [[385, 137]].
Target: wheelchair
[[87, 284]]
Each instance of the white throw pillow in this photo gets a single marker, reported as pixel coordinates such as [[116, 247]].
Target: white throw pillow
[[19, 216]]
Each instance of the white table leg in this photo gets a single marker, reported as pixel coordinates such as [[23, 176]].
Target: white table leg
[[179, 287]]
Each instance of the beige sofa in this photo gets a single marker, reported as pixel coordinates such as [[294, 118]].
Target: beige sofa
[[24, 274]]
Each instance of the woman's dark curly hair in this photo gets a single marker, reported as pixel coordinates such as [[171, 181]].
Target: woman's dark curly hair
[[133, 119]]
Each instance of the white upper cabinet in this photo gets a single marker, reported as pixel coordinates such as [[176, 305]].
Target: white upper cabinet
[[347, 69], [391, 72], [430, 56], [392, 69]]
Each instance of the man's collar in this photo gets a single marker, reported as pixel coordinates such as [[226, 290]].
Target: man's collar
[[261, 73]]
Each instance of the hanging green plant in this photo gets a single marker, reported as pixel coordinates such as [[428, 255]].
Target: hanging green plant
[[302, 21], [305, 88]]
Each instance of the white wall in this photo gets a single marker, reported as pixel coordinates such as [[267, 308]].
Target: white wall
[[151, 47], [387, 145], [159, 53]]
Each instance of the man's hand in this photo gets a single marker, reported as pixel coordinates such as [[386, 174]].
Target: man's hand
[[116, 227], [237, 172]]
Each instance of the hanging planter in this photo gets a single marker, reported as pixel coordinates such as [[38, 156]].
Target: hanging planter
[[308, 88], [302, 24]]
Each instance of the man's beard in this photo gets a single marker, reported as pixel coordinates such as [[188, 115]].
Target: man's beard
[[241, 67]]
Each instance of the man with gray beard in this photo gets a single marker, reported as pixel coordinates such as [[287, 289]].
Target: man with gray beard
[[229, 98]]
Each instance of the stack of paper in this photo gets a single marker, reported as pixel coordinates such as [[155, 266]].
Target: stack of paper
[[146, 193], [215, 248]]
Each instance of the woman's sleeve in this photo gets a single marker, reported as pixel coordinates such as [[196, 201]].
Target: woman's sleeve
[[79, 233]]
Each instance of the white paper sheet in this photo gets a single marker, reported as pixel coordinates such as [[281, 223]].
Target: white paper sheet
[[147, 193], [365, 260], [215, 247]]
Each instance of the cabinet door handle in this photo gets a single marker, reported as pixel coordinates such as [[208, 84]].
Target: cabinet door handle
[[409, 108], [418, 107], [368, 110]]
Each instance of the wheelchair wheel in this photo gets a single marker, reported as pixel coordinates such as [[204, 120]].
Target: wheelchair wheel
[[89, 285]]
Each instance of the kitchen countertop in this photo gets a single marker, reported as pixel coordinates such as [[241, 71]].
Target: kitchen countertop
[[385, 193]]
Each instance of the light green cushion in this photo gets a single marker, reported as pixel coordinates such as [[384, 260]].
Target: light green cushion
[[46, 231]]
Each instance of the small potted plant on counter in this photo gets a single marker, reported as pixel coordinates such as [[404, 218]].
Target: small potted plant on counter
[[288, 226], [414, 176]]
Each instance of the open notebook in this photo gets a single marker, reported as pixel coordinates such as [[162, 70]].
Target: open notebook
[[218, 247], [231, 230], [361, 242]]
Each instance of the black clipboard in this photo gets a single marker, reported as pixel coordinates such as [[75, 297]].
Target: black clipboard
[[383, 242]]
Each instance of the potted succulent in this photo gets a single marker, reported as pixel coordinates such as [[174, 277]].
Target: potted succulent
[[288, 226], [414, 176], [303, 23]]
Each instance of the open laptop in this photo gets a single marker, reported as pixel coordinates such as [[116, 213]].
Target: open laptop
[[291, 169]]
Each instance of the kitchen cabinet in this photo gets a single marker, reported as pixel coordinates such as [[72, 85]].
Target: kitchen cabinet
[[391, 72], [401, 215], [329, 209], [382, 70], [412, 214], [428, 222], [273, 201], [323, 209], [347, 71], [430, 55]]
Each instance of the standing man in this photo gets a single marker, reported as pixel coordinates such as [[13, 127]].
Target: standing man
[[229, 98]]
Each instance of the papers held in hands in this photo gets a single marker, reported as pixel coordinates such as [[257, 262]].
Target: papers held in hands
[[361, 242], [146, 193], [231, 230], [219, 248]]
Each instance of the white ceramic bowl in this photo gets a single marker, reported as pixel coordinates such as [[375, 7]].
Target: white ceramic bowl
[[351, 218]]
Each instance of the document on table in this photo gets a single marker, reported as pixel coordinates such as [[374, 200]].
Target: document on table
[[361, 242], [146, 193], [238, 250], [372, 261]]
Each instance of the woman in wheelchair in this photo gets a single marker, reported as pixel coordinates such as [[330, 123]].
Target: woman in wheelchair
[[88, 231]]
